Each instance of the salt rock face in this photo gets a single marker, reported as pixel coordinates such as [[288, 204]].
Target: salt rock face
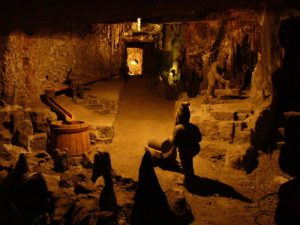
[[107, 218], [20, 171], [86, 211], [5, 154], [61, 160], [42, 60], [63, 204], [28, 195], [23, 133], [179, 206], [108, 201], [18, 118], [5, 135], [84, 187], [21, 127], [86, 161], [150, 203], [101, 162], [289, 201], [41, 119], [74, 175], [18, 124], [241, 157], [10, 153]]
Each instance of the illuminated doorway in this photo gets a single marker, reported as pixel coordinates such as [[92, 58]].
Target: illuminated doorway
[[135, 61]]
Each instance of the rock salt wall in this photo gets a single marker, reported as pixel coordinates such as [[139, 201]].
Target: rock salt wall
[[35, 60]]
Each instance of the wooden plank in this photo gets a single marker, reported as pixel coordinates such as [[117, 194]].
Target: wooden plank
[[59, 139], [73, 147], [83, 141], [67, 142], [79, 143], [87, 141]]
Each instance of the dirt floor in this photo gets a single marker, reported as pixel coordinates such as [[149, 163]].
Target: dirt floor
[[221, 196]]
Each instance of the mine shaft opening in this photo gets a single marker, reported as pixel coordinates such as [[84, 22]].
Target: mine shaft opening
[[139, 58], [134, 61]]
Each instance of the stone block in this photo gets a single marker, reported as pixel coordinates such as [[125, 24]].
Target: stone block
[[38, 142], [223, 115], [209, 128], [21, 139], [64, 202], [101, 106], [10, 152], [52, 182], [241, 157], [107, 218], [5, 118], [227, 92], [103, 135], [226, 131], [105, 132], [26, 127], [5, 153], [18, 118], [84, 187], [23, 133], [242, 116], [5, 135], [41, 119], [179, 206], [242, 136]]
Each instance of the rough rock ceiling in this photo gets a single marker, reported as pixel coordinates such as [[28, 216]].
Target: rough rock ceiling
[[14, 13]]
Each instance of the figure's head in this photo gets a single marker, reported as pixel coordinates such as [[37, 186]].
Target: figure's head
[[183, 113], [172, 72]]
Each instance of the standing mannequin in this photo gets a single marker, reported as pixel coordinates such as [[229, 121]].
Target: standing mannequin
[[186, 138]]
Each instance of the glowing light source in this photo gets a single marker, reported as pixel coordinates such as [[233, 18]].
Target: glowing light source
[[134, 62], [139, 22]]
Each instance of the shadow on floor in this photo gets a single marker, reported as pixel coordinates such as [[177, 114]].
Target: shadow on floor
[[206, 187], [173, 166]]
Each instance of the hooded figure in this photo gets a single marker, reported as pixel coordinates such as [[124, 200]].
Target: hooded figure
[[186, 138]]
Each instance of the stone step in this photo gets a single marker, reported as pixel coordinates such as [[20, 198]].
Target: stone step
[[230, 115], [101, 106], [236, 156], [230, 131], [227, 92], [102, 134], [38, 142], [5, 134], [233, 92], [242, 136]]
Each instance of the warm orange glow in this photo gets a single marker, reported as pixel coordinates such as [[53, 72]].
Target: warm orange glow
[[135, 61]]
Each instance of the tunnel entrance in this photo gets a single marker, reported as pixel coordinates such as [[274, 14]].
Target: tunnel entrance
[[139, 58], [135, 61]]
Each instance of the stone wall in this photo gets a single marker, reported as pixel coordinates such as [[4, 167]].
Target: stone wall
[[38, 59], [224, 33]]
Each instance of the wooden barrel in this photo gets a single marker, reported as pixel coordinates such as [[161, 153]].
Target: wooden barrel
[[73, 136]]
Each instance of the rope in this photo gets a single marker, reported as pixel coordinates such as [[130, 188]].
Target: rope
[[263, 212]]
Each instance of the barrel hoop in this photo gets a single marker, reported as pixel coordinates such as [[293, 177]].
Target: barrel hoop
[[70, 130]]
